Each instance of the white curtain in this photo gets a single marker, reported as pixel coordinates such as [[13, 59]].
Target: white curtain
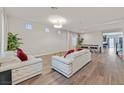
[[74, 40]]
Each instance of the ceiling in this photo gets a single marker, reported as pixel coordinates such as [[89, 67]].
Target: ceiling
[[79, 19]]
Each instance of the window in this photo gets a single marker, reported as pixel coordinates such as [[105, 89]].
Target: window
[[28, 26], [74, 39]]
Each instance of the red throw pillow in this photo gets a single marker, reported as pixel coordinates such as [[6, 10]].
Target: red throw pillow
[[19, 50], [79, 49], [68, 52], [21, 55]]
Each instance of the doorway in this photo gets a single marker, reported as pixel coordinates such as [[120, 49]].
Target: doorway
[[113, 41]]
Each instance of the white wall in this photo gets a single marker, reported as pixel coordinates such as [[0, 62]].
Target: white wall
[[71, 40], [0, 29], [37, 41], [93, 38], [74, 37]]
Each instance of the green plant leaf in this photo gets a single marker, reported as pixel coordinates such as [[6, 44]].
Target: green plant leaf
[[13, 42]]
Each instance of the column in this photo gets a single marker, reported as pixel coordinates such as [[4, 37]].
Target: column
[[3, 31]]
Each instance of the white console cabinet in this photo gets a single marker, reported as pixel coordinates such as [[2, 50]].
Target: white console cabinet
[[21, 71], [26, 71]]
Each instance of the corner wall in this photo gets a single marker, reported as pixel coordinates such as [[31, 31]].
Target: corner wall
[[93, 38]]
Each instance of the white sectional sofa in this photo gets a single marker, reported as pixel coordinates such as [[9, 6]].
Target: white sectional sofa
[[72, 63], [21, 71]]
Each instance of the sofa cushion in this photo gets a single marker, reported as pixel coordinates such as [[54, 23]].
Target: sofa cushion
[[5, 61], [77, 53], [69, 52], [21, 55]]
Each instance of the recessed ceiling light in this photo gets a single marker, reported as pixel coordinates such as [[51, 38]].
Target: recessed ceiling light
[[47, 30], [59, 32]]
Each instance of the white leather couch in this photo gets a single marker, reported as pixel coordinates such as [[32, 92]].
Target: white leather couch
[[72, 63], [21, 71]]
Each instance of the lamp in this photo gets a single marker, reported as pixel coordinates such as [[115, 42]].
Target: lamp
[[57, 26], [57, 21]]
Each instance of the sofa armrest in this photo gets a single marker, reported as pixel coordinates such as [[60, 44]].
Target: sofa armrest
[[30, 57], [61, 59], [29, 62], [20, 64]]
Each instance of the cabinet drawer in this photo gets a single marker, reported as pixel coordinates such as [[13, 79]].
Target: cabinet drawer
[[25, 71]]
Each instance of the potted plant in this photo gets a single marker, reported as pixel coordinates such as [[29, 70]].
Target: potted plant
[[13, 42]]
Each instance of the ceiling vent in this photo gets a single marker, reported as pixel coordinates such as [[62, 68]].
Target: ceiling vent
[[54, 8]]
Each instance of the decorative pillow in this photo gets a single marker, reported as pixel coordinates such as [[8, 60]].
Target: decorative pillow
[[21, 55], [79, 49], [68, 52]]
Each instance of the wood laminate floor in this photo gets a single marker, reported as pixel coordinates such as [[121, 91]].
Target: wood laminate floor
[[105, 69]]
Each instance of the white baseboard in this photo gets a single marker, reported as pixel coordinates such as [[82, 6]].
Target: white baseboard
[[39, 55]]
